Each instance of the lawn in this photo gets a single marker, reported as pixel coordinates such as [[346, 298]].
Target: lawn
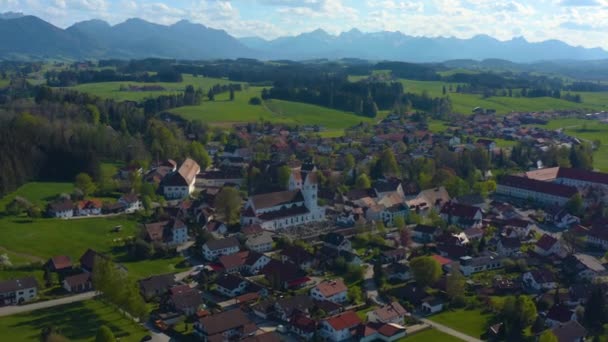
[[77, 322], [39, 193], [430, 335], [111, 90], [470, 322], [363, 313], [589, 130]]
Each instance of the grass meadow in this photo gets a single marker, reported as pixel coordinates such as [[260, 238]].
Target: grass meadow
[[470, 322], [430, 335]]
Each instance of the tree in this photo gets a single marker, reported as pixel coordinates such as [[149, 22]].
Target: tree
[[284, 173], [231, 93], [228, 204], [349, 162], [455, 284], [405, 237], [199, 154], [104, 334], [426, 270], [596, 312], [85, 183], [363, 182], [379, 276], [547, 336], [575, 205], [389, 163], [518, 313], [211, 95], [355, 294]]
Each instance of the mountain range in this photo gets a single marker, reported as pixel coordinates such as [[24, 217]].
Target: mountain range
[[29, 37]]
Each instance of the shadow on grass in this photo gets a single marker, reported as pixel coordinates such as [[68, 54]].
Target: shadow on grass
[[77, 321]]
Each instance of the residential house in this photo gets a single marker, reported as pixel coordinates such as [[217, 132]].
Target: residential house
[[181, 183], [585, 267], [432, 305], [213, 249], [380, 332], [61, 264], [393, 255], [330, 290], [284, 275], [429, 199], [185, 299], [260, 243], [231, 285], [398, 271], [424, 233], [470, 265], [172, 233], [558, 315], [216, 228], [461, 215], [390, 313], [224, 326], [303, 326], [131, 203], [77, 283], [508, 247], [540, 279], [339, 327], [18, 291], [287, 308], [297, 255], [88, 207], [248, 262], [156, 285], [63, 208], [548, 245], [571, 331]]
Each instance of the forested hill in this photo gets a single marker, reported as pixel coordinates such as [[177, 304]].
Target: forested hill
[[28, 37]]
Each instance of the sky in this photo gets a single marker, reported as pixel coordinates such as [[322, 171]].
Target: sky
[[577, 22]]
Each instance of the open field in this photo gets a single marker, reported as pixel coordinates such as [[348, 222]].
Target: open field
[[111, 90], [430, 335], [224, 112], [77, 321], [470, 322], [38, 193], [589, 130]]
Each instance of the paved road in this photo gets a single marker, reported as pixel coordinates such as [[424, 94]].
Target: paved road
[[12, 310], [449, 330], [369, 285]]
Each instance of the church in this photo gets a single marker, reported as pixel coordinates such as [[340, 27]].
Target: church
[[296, 206]]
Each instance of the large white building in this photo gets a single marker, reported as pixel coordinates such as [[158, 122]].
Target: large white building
[[539, 191], [277, 210], [181, 183]]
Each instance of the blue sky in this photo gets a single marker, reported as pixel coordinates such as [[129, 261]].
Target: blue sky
[[578, 22]]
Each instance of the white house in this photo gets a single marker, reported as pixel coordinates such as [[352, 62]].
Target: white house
[[330, 290], [212, 249], [296, 206], [540, 279], [508, 247], [432, 306], [231, 285], [338, 328], [390, 313], [261, 242], [469, 265], [18, 291], [172, 233], [61, 209], [131, 203], [181, 183], [88, 208]]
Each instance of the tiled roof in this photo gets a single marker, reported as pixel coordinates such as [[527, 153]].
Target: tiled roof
[[329, 288], [274, 199], [538, 186], [546, 242], [583, 175], [345, 320]]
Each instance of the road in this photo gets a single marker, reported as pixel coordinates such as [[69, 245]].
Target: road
[[448, 330], [12, 310], [369, 284]]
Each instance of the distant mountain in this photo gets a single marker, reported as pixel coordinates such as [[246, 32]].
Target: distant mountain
[[398, 46], [30, 37]]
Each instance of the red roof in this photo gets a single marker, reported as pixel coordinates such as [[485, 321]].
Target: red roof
[[538, 186], [443, 261], [298, 281], [583, 175], [61, 261], [345, 320], [546, 242], [329, 288]]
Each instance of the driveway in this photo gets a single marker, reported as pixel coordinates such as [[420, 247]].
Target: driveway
[[13, 310], [371, 290]]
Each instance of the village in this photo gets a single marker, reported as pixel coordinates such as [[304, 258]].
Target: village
[[292, 236]]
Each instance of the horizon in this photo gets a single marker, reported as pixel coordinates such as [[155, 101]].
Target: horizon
[[575, 22]]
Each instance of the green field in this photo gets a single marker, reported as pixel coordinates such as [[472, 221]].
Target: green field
[[223, 112], [77, 322], [470, 322], [430, 335], [111, 90], [589, 130], [38, 193]]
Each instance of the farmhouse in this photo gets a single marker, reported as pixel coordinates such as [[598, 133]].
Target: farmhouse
[[173, 232], [17, 291], [181, 183]]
